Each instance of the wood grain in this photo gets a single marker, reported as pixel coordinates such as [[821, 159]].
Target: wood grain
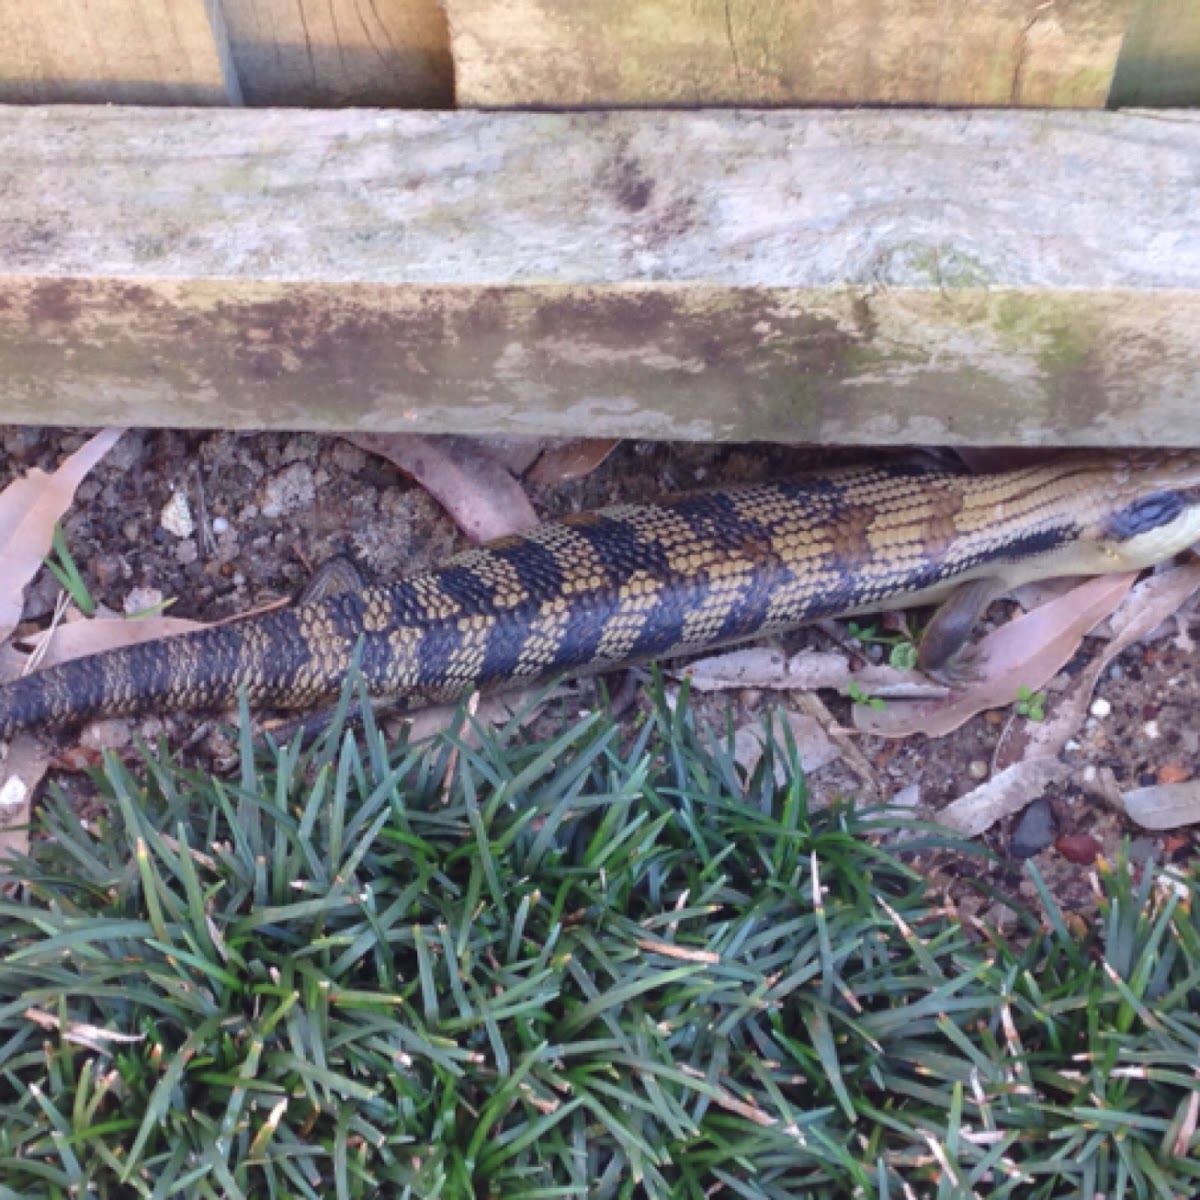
[[866, 276], [326, 53], [114, 51], [1160, 60], [603, 53]]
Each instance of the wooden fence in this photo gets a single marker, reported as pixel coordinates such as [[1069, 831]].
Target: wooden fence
[[696, 270]]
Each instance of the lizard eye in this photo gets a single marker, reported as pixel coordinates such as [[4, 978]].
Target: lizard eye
[[1143, 515]]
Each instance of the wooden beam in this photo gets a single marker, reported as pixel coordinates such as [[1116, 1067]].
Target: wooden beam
[[865, 276], [611, 53], [114, 51], [1160, 60], [327, 53]]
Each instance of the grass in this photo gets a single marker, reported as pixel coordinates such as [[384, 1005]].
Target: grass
[[564, 969]]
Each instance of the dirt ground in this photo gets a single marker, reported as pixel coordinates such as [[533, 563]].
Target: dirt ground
[[269, 508]]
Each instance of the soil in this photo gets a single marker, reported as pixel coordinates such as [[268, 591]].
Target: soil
[[224, 522]]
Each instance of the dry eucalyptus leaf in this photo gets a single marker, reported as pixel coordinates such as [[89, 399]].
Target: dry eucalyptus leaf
[[571, 459], [30, 507], [813, 746], [23, 768], [77, 639], [1004, 794], [1025, 653], [1165, 805], [1145, 609], [516, 453], [481, 497]]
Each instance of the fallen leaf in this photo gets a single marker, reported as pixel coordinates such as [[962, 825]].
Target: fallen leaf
[[1002, 796], [516, 453], [813, 745], [1145, 609], [30, 507], [76, 639], [1025, 653], [481, 497], [1164, 806], [571, 459], [24, 766]]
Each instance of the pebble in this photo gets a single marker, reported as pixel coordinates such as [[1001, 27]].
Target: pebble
[[348, 457], [1173, 772], [141, 599], [1101, 708], [220, 525], [1080, 848], [977, 769], [1034, 831], [290, 490], [176, 517], [1151, 730], [107, 569]]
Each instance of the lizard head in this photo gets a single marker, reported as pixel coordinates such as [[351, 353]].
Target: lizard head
[[1154, 509]]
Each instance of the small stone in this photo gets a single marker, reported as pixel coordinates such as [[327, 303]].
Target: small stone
[[106, 569], [348, 457], [141, 600], [1034, 831], [977, 769], [1100, 708], [1151, 730], [290, 490], [1173, 773], [131, 531], [176, 517], [1079, 848], [187, 552], [1116, 671], [220, 525], [124, 456]]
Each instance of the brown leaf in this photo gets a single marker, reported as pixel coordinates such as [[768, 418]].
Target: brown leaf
[[1025, 653], [1164, 806], [813, 745], [30, 507], [76, 639], [1144, 610], [481, 497], [571, 459], [24, 766]]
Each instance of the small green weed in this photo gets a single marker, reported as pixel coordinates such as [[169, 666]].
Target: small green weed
[[63, 567], [1031, 704], [856, 693], [902, 649]]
